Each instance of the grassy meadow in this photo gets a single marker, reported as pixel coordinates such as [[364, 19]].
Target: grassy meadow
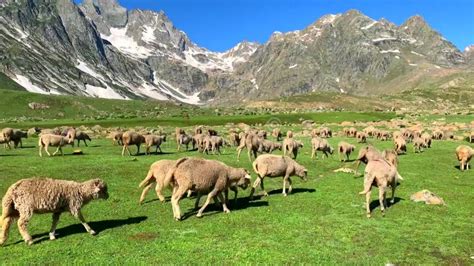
[[322, 222]]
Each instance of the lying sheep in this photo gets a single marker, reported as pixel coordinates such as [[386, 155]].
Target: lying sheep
[[270, 146], [319, 144], [29, 196], [345, 149], [82, 136], [291, 147], [275, 166], [204, 176], [381, 174], [156, 174], [464, 155], [132, 138], [46, 140], [154, 140]]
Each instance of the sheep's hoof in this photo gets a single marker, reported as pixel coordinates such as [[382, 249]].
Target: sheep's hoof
[[199, 215], [29, 242], [2, 242], [265, 194], [226, 211], [383, 213], [368, 215], [392, 201], [92, 232], [52, 237], [284, 194]]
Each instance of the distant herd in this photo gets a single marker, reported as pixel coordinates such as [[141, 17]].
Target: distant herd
[[202, 176]]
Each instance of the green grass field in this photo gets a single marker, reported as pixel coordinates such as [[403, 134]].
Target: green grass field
[[322, 222]]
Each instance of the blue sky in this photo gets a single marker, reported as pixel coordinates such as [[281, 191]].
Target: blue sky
[[220, 24]]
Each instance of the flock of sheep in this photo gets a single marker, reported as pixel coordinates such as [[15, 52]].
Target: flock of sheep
[[212, 177]]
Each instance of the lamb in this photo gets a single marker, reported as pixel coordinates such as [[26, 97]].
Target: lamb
[[291, 146], [7, 134], [46, 140], [318, 144], [154, 140], [276, 133], [132, 138], [274, 166], [252, 142], [29, 196], [464, 154], [400, 145], [82, 136], [346, 149], [381, 174], [269, 146], [418, 144], [204, 176], [156, 174]]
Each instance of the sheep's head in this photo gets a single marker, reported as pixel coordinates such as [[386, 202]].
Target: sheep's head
[[99, 189], [244, 181], [302, 172]]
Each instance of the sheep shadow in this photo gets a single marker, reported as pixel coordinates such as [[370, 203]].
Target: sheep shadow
[[294, 191], [98, 227], [213, 209], [375, 203]]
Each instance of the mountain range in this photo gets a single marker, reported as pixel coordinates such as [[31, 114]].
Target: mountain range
[[100, 49]]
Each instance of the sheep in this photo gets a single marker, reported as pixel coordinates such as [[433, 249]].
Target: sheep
[[352, 132], [291, 146], [381, 174], [82, 136], [252, 142], [16, 137], [34, 131], [361, 137], [198, 130], [70, 134], [396, 134], [212, 132], [276, 133], [408, 135], [274, 166], [185, 139], [315, 133], [400, 145], [289, 134], [269, 146], [325, 132], [383, 135], [178, 132], [464, 154], [234, 139], [369, 131], [117, 137], [418, 144], [437, 134], [391, 156], [427, 140], [156, 174], [214, 144], [46, 140], [204, 176], [319, 144], [366, 154], [346, 149], [131, 138], [471, 137], [45, 195], [7, 134], [154, 140]]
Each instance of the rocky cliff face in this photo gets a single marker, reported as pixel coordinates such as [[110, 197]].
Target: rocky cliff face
[[100, 49]]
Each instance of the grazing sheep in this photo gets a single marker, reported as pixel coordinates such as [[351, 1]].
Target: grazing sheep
[[369, 131], [319, 144], [154, 140], [212, 132], [29, 196], [464, 154], [34, 131], [274, 166], [185, 139], [383, 135], [291, 146], [391, 156], [346, 149], [46, 140], [252, 142], [418, 144], [408, 135], [198, 141], [325, 132], [214, 144], [156, 174], [448, 135], [276, 133], [198, 130], [269, 146], [82, 136], [352, 132], [116, 137], [204, 176], [438, 134], [381, 174], [131, 138], [7, 134], [345, 131], [400, 145], [315, 133], [361, 137]]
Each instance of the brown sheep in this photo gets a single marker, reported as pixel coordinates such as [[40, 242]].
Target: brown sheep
[[269, 146], [391, 156], [47, 140], [178, 132], [291, 147], [275, 166], [418, 144], [400, 145], [352, 132], [16, 137], [116, 137], [276, 133], [204, 176], [7, 134], [367, 154], [325, 132], [156, 174], [369, 131], [154, 140], [361, 137], [381, 174], [29, 196], [345, 149], [214, 144], [252, 142], [132, 138], [319, 144], [234, 139], [185, 140], [82, 136], [464, 154], [471, 137]]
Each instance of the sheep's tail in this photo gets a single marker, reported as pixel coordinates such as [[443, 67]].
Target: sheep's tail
[[148, 179], [169, 178], [40, 142], [255, 166], [367, 184], [8, 207]]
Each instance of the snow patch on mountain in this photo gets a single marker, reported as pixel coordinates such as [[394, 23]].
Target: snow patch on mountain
[[119, 39], [101, 92], [26, 83]]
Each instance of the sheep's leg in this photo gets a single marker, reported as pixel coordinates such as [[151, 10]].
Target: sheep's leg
[[285, 179], [144, 192], [367, 203], [224, 205], [85, 143], [46, 150], [290, 187], [198, 198], [7, 222], [22, 227], [178, 193], [394, 186], [138, 149], [52, 232], [211, 195], [382, 199], [78, 143], [40, 151], [236, 191], [84, 223], [347, 156], [158, 188], [239, 150]]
